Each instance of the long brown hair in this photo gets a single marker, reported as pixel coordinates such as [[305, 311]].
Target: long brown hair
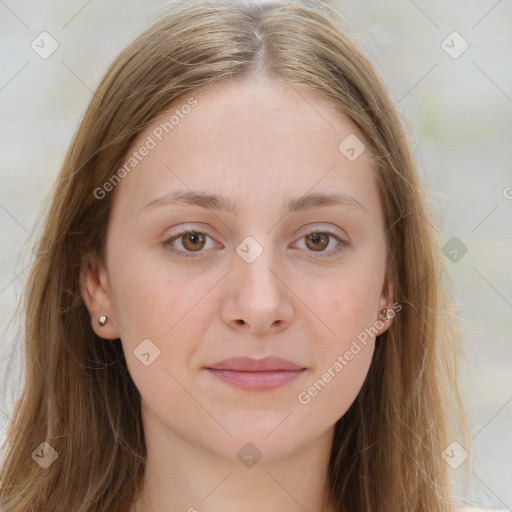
[[78, 395]]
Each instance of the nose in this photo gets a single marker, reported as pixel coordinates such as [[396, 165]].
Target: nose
[[258, 298]]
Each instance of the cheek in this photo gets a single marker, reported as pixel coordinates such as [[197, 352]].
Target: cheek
[[344, 352], [349, 303], [144, 303], [348, 306], [334, 389], [147, 298], [165, 308]]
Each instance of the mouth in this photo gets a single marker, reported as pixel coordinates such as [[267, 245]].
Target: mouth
[[257, 381], [256, 374]]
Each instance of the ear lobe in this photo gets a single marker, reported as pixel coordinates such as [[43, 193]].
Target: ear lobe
[[94, 287]]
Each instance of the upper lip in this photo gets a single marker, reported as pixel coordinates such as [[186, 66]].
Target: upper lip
[[248, 364]]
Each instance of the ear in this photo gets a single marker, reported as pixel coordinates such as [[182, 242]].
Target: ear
[[386, 303], [95, 290]]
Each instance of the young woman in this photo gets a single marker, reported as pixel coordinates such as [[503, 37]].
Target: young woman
[[237, 303]]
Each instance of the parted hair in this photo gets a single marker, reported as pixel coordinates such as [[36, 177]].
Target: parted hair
[[77, 393]]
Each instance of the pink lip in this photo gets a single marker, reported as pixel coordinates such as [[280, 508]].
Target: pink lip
[[256, 374], [247, 364]]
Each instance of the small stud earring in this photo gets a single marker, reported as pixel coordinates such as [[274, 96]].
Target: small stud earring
[[102, 320], [385, 314]]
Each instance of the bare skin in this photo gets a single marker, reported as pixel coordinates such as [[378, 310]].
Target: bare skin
[[260, 145]]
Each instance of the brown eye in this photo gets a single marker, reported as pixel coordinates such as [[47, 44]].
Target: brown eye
[[193, 241], [324, 244], [317, 241], [189, 243]]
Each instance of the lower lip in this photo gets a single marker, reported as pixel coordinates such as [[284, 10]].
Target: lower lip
[[257, 381]]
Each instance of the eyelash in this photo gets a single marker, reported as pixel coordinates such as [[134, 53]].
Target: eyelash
[[342, 244]]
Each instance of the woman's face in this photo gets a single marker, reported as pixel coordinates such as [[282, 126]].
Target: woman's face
[[272, 269]]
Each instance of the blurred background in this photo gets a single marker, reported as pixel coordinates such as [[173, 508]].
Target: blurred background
[[448, 68]]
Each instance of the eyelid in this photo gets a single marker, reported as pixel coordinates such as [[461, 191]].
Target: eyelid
[[306, 230], [319, 228]]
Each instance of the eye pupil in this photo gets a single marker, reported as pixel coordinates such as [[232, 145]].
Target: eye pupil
[[194, 238], [316, 238]]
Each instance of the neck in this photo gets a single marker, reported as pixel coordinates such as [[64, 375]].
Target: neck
[[181, 476]]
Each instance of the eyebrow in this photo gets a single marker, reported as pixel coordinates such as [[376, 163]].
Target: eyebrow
[[220, 203]]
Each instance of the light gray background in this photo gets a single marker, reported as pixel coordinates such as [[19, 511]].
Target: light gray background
[[457, 112]]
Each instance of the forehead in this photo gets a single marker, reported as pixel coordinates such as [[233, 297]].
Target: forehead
[[264, 140]]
